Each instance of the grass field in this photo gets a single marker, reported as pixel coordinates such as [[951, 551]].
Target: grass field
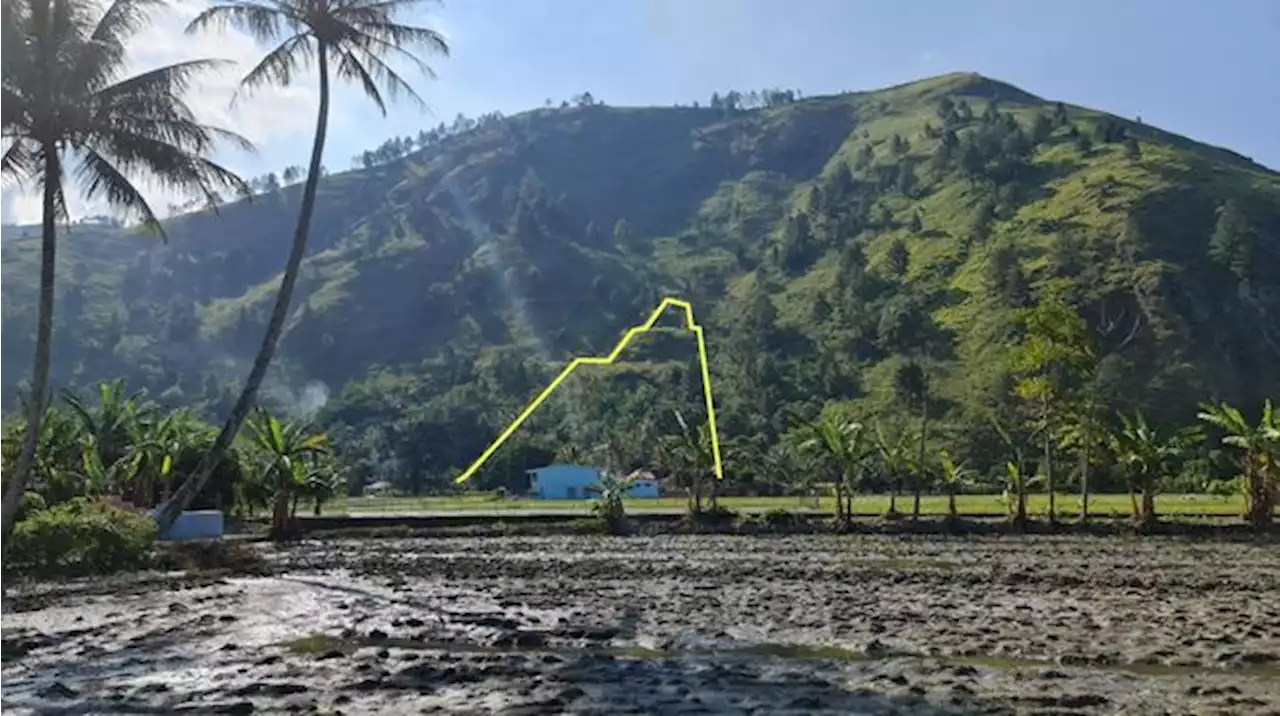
[[1067, 504]]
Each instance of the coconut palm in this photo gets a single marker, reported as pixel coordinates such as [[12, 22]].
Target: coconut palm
[[1147, 455], [69, 108], [352, 40], [1260, 455]]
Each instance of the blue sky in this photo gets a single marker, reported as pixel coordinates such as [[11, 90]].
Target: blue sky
[[1210, 70], [1203, 69]]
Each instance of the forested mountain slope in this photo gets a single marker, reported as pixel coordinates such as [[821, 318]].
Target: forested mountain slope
[[823, 242]]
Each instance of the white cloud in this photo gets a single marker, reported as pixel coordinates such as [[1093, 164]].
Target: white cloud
[[266, 115]]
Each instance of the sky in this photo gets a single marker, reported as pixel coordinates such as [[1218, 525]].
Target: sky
[[1205, 69]]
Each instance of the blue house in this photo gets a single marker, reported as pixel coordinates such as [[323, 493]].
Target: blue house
[[577, 482]]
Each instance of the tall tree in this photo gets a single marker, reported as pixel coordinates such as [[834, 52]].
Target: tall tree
[[911, 384], [357, 37], [69, 103], [1055, 349]]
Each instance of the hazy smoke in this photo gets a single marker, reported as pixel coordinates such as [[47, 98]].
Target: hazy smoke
[[313, 398], [304, 404]]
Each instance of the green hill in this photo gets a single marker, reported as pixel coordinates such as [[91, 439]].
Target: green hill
[[822, 241]]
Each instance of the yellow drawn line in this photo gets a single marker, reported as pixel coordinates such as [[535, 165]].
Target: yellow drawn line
[[608, 359]]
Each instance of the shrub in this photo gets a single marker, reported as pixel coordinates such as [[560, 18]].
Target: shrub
[[77, 538], [778, 518], [32, 502]]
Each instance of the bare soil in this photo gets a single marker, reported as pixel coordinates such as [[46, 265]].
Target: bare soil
[[668, 625]]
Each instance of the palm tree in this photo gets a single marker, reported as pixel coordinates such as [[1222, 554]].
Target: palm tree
[[357, 37], [286, 448], [67, 103], [837, 445], [1146, 456], [1260, 461], [912, 384], [895, 462]]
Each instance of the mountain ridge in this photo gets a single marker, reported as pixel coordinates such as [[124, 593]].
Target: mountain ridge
[[807, 232]]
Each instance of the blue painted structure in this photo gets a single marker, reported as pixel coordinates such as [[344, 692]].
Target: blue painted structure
[[577, 482], [196, 524]]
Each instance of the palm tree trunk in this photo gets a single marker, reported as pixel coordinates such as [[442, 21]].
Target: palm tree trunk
[[1084, 468], [44, 344], [920, 468], [191, 487], [1148, 504], [1048, 469], [1260, 494], [280, 515], [951, 502]]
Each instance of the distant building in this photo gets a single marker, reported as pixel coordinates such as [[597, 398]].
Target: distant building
[[643, 484], [381, 487], [578, 482]]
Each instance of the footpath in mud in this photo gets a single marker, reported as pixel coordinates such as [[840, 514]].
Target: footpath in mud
[[669, 625]]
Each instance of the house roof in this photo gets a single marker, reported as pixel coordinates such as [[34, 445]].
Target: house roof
[[561, 464]]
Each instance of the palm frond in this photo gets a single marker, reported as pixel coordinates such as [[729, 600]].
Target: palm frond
[[278, 66], [99, 177], [262, 22]]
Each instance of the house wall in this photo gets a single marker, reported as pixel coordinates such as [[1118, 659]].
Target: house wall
[[564, 482], [197, 524], [644, 489]]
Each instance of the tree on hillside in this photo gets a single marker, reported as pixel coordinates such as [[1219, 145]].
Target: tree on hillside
[[68, 104], [357, 37], [916, 224], [899, 258], [1132, 149]]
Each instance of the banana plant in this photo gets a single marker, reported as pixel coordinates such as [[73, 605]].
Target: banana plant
[[954, 478], [895, 460], [1259, 455], [1147, 456], [284, 448], [838, 445], [608, 502], [1017, 485], [688, 456]]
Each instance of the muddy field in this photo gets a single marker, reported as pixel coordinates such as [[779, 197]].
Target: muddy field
[[670, 625]]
